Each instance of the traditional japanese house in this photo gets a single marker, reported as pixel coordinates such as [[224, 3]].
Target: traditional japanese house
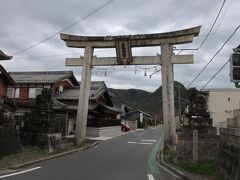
[[9, 139], [6, 105], [103, 117], [5, 81], [138, 119], [29, 84]]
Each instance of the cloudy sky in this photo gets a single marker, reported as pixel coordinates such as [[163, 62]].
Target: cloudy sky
[[25, 23]]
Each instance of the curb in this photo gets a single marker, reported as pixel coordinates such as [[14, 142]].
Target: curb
[[168, 166], [51, 157], [63, 154]]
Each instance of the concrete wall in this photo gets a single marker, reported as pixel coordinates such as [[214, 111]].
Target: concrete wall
[[103, 131], [221, 103]]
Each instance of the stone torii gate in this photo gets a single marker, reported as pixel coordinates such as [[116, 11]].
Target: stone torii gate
[[123, 45]]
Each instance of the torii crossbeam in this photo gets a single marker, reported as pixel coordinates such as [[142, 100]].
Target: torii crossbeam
[[123, 45]]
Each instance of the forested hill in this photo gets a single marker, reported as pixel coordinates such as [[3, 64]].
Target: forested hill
[[145, 101]]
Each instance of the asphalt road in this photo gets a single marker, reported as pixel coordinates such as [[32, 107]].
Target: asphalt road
[[129, 157]]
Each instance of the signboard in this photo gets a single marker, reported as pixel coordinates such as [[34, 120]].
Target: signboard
[[123, 51]]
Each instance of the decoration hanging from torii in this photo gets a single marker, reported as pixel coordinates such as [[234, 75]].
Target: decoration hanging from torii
[[124, 45]]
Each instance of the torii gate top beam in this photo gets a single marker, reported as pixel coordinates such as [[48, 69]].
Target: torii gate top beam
[[138, 40]]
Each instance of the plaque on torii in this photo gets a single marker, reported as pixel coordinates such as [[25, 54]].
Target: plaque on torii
[[123, 45]]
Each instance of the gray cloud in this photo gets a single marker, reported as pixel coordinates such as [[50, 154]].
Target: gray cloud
[[24, 24]]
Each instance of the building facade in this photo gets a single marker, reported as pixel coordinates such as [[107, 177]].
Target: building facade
[[221, 103], [5, 81], [29, 85], [103, 117]]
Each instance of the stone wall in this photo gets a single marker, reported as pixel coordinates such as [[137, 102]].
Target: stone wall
[[228, 156], [48, 142], [208, 142]]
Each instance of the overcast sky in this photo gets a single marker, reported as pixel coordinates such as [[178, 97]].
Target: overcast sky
[[24, 23]]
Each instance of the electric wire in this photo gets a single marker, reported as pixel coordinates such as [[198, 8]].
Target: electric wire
[[215, 74], [230, 37], [65, 28]]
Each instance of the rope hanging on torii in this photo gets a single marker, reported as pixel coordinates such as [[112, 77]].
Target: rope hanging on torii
[[123, 45]]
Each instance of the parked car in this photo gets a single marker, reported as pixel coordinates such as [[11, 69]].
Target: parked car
[[125, 127]]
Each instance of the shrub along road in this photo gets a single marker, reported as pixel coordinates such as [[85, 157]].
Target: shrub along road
[[129, 157]]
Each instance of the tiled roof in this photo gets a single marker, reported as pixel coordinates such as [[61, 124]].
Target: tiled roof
[[28, 77], [31, 103], [113, 109], [73, 105], [3, 56], [97, 89]]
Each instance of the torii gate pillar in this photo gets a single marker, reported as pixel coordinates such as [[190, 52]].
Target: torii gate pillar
[[83, 102], [168, 97]]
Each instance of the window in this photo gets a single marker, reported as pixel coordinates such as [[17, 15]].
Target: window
[[32, 93], [17, 92], [38, 91], [10, 92]]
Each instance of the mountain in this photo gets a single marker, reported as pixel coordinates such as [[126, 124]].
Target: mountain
[[147, 101]]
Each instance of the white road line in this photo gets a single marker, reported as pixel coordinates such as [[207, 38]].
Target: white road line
[[150, 177], [170, 172], [21, 172], [130, 142], [146, 143], [149, 140]]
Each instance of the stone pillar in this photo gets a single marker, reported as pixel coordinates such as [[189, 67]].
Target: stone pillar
[[168, 97], [195, 145], [82, 112]]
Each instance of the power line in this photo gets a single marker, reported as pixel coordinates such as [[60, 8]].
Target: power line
[[209, 32], [214, 55], [65, 28], [216, 74], [211, 28], [219, 12]]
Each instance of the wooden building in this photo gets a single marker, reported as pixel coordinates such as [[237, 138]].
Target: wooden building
[[29, 84], [133, 119], [103, 117]]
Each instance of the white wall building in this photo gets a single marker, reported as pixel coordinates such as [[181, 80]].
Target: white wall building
[[221, 103]]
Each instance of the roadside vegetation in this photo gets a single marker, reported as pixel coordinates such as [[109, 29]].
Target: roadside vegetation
[[205, 168], [32, 153]]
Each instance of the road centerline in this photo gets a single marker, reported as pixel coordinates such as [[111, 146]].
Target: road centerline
[[149, 140], [144, 143]]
